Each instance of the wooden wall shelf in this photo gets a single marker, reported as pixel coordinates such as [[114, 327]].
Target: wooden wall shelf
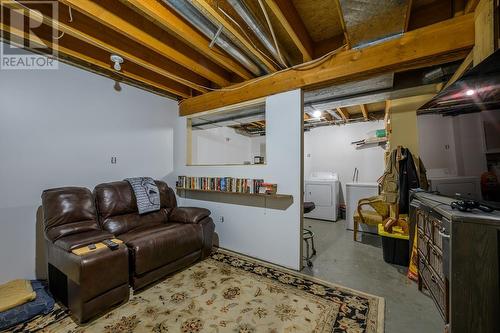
[[268, 196]]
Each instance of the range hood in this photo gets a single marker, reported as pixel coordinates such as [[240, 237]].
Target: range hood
[[477, 90]]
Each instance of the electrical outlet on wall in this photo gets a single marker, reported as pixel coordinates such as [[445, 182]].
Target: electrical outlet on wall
[[221, 219], [113, 159]]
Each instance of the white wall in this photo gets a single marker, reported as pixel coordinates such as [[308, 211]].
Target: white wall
[[269, 234], [469, 140], [452, 146], [329, 148], [437, 145], [221, 145], [258, 144], [61, 127]]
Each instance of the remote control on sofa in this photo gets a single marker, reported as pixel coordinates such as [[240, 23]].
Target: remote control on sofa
[[112, 245]]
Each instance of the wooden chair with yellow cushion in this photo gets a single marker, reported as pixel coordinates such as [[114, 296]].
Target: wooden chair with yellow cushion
[[378, 215]]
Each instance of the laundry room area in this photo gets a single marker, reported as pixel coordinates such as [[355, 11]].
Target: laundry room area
[[339, 171], [345, 143]]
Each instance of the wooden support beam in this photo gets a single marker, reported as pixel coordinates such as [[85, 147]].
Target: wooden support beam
[[465, 65], [206, 6], [387, 118], [327, 116], [130, 24], [440, 43], [96, 60], [408, 15], [166, 18], [289, 18], [485, 30], [342, 23], [87, 30], [364, 111], [343, 113], [470, 6]]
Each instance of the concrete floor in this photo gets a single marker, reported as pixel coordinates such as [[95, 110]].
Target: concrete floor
[[360, 265]]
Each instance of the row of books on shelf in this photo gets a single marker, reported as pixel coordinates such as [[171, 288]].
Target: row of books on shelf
[[226, 184]]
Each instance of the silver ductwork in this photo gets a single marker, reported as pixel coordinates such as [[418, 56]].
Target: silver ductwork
[[209, 29], [247, 16]]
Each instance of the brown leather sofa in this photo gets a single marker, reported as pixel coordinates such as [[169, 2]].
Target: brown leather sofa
[[154, 244], [160, 242]]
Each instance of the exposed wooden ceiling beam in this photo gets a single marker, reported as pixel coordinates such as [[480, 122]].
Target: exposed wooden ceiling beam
[[470, 6], [289, 18], [327, 116], [110, 41], [166, 18], [342, 23], [205, 5], [439, 43], [128, 24], [387, 116], [71, 48], [343, 113], [364, 111], [484, 17], [408, 15], [465, 65]]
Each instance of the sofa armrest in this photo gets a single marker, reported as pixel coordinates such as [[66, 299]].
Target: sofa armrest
[[188, 214], [74, 241]]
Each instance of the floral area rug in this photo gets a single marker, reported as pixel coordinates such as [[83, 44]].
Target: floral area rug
[[230, 293]]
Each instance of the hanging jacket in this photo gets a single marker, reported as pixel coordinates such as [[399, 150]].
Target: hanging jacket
[[408, 179], [389, 180]]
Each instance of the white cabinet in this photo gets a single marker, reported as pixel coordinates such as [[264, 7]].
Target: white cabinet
[[355, 192]]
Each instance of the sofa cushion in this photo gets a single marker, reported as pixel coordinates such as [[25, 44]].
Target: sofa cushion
[[75, 241], [188, 214], [120, 224], [67, 211], [117, 207], [155, 246]]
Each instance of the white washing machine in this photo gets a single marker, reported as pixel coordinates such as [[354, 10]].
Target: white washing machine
[[322, 188]]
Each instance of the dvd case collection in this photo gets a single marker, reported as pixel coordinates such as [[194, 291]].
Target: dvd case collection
[[221, 184]]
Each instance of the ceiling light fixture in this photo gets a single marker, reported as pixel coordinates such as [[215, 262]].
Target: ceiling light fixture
[[470, 92], [317, 114], [118, 61]]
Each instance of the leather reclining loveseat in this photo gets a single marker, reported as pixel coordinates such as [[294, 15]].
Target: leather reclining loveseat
[[154, 244]]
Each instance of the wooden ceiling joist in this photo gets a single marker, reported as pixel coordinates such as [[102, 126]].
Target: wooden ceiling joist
[[71, 48], [342, 23], [166, 18], [110, 41], [327, 116], [289, 18], [465, 65], [364, 111], [343, 113], [470, 6], [206, 6], [132, 25], [439, 43]]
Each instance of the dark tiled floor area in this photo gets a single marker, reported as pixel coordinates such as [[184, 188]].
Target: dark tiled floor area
[[360, 265]]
